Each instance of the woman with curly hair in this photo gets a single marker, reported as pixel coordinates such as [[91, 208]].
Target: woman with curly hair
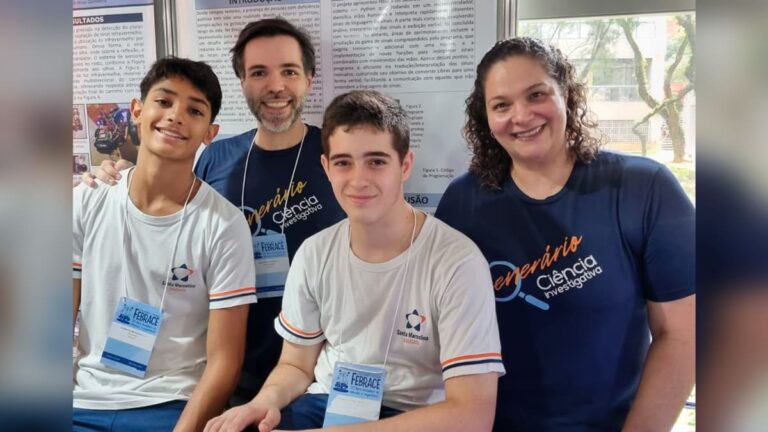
[[591, 253]]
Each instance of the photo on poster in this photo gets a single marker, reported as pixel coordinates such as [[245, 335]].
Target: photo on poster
[[78, 122], [112, 134], [81, 162]]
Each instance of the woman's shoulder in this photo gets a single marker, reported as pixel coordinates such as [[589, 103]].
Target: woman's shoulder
[[637, 164]]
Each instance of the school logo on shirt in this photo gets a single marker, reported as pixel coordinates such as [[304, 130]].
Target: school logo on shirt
[[547, 272], [180, 278], [414, 324], [414, 320], [181, 273]]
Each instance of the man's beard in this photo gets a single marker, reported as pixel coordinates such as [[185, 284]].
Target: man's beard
[[276, 125]]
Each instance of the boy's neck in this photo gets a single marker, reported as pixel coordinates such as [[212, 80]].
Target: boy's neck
[[161, 188], [387, 238], [272, 141]]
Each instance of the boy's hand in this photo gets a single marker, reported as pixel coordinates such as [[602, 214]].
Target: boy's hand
[[251, 414], [108, 172]]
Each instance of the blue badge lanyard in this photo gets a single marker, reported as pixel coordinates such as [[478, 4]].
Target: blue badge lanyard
[[175, 243], [290, 184], [399, 296]]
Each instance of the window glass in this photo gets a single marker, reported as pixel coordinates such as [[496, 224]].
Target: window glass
[[639, 74]]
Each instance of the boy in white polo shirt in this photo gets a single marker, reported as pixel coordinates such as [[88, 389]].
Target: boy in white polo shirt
[[398, 302], [163, 272]]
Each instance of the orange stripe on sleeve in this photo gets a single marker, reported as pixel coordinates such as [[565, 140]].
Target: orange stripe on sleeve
[[232, 292], [471, 357], [294, 329]]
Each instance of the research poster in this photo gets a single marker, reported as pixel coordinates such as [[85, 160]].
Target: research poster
[[113, 46], [421, 52]]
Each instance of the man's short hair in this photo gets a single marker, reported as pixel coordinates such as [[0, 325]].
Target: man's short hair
[[198, 73], [367, 108], [272, 27]]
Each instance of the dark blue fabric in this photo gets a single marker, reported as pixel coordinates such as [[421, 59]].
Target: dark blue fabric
[[732, 229], [308, 411], [162, 417], [629, 229], [731, 236], [221, 165]]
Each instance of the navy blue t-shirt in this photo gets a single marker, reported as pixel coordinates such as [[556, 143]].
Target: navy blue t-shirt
[[572, 276], [311, 207]]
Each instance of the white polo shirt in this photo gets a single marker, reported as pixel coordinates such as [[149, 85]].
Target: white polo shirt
[[213, 269], [445, 324]]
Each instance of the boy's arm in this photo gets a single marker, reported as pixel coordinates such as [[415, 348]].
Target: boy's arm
[[287, 381], [75, 301], [78, 234], [224, 351]]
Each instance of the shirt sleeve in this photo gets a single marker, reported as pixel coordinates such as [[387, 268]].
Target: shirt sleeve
[[469, 333], [668, 256], [299, 321], [78, 232], [231, 276]]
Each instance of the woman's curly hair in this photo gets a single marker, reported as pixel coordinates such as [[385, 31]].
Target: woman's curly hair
[[490, 162]]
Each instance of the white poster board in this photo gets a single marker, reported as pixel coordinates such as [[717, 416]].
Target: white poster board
[[422, 53], [113, 45]]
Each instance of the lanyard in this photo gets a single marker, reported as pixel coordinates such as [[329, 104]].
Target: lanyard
[[399, 296], [175, 243], [290, 184]]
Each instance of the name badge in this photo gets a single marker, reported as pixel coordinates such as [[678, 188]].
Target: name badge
[[132, 336], [356, 394], [270, 254]]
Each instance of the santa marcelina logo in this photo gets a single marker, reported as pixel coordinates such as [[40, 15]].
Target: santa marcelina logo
[[414, 324], [181, 273], [414, 320]]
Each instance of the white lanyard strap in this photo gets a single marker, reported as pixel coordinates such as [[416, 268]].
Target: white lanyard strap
[[290, 184], [175, 243], [399, 296]]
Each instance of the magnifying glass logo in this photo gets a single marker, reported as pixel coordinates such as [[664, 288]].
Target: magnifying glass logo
[[517, 291]]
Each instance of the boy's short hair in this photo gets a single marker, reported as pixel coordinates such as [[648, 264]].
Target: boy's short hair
[[367, 108], [198, 73], [272, 27]]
